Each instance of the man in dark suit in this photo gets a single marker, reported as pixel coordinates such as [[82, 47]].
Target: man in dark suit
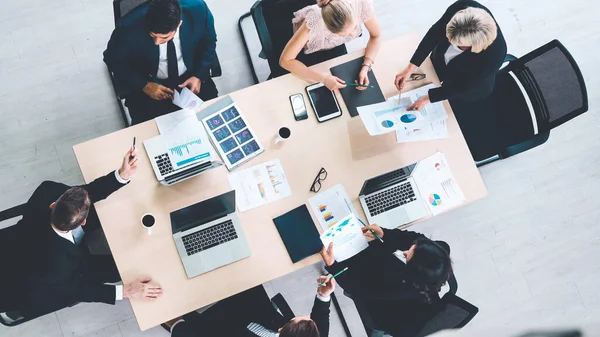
[[58, 268], [159, 47], [250, 314]]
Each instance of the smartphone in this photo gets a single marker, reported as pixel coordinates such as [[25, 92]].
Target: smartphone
[[298, 107]]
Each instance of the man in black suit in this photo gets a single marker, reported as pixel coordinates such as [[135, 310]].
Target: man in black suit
[[467, 48], [59, 269], [241, 315], [159, 47]]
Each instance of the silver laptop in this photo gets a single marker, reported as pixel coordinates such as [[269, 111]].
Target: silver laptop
[[392, 199], [158, 154], [208, 234]]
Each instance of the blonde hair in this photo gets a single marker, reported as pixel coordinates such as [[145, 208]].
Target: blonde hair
[[472, 27], [336, 14]]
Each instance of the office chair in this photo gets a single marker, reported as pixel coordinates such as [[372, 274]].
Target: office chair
[[120, 9], [273, 22], [532, 95]]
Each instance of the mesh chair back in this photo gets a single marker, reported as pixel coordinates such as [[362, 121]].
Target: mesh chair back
[[554, 84], [122, 7], [455, 313]]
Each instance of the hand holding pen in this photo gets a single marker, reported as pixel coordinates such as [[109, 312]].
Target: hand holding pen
[[326, 285], [373, 231], [130, 163], [158, 91]]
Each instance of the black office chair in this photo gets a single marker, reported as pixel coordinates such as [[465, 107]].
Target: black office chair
[[273, 22], [120, 9], [504, 126]]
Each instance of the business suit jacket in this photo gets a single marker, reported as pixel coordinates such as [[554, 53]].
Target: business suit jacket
[[469, 76], [132, 55], [319, 314], [56, 268], [376, 281]]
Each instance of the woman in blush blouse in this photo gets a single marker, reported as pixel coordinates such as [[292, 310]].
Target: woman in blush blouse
[[326, 25]]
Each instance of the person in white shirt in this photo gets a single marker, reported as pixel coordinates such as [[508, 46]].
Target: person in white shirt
[[59, 269]]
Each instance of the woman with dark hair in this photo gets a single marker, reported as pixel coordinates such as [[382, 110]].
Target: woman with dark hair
[[396, 281]]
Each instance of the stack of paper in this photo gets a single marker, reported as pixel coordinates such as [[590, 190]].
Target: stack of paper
[[331, 205], [391, 115], [437, 186], [187, 100], [347, 237], [259, 185]]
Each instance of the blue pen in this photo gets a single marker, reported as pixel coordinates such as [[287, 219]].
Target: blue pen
[[370, 230]]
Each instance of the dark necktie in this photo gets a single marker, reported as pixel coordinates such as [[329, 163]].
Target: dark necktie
[[172, 61]]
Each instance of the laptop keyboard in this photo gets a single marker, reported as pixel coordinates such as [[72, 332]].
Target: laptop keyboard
[[164, 164], [391, 198], [209, 238]]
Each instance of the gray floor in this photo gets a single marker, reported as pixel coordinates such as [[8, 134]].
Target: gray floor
[[526, 255]]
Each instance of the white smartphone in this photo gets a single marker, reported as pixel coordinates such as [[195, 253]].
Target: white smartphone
[[323, 102]]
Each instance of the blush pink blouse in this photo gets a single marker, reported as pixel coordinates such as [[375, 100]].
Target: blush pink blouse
[[319, 37]]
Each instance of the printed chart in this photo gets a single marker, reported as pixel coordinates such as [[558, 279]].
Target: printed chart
[[331, 205], [347, 238], [437, 184]]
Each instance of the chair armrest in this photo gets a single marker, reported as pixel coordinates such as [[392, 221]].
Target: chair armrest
[[279, 303], [532, 142], [453, 284], [509, 58], [215, 69]]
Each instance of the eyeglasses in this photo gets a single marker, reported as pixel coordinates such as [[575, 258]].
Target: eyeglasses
[[316, 185], [416, 77]]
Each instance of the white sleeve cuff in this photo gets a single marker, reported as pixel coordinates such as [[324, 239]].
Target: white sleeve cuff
[[119, 179], [119, 292], [174, 324], [323, 298]]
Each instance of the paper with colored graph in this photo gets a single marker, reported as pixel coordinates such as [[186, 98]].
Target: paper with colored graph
[[347, 237], [259, 185], [187, 100], [331, 205], [436, 183]]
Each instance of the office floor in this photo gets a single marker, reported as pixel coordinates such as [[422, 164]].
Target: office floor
[[525, 255]]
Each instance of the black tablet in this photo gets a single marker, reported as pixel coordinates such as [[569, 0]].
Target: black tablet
[[323, 102]]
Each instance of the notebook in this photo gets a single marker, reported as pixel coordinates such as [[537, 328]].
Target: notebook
[[354, 98], [299, 234]]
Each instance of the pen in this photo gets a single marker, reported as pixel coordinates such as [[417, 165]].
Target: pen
[[370, 230], [331, 278], [131, 156], [358, 85]]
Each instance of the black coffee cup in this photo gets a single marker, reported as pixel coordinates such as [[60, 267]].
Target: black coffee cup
[[148, 221]]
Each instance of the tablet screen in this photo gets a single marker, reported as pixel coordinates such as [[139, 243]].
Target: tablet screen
[[324, 101]]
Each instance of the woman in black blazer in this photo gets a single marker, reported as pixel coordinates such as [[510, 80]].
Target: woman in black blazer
[[467, 48]]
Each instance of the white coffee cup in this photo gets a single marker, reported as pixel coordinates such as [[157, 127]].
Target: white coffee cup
[[283, 134], [148, 221]]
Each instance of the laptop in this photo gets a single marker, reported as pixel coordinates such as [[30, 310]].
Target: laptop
[[208, 235], [165, 172], [392, 199]]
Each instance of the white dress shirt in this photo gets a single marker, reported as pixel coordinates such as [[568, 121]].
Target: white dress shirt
[[69, 236], [163, 63], [452, 52]]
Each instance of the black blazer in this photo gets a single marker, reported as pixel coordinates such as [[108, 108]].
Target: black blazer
[[319, 314], [132, 55], [56, 268], [469, 76], [375, 280]]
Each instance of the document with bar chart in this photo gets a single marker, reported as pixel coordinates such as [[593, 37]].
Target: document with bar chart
[[259, 185], [331, 205], [437, 186], [187, 144]]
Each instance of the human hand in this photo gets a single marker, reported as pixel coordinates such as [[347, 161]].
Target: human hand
[[420, 103], [142, 289], [363, 78], [333, 82], [327, 255], [130, 164], [404, 76], [193, 83], [375, 228], [157, 91], [328, 287]]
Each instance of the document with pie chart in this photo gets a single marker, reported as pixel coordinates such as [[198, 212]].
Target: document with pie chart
[[392, 115], [437, 186]]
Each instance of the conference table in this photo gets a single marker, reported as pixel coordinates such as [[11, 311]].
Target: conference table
[[342, 146]]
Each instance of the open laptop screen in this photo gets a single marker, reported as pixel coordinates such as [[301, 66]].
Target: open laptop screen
[[203, 212]]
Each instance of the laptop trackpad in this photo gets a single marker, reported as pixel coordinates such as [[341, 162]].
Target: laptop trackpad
[[218, 256], [392, 218]]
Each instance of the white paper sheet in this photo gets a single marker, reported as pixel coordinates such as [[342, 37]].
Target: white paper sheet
[[431, 131], [175, 120], [259, 185], [187, 143], [331, 205], [187, 100], [347, 237], [437, 186]]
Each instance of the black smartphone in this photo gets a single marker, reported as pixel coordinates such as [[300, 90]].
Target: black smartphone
[[298, 107]]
